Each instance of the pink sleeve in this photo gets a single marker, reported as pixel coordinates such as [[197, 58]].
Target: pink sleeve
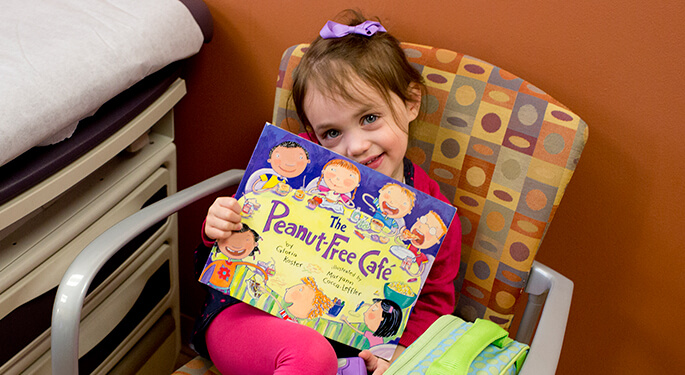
[[437, 297], [208, 242]]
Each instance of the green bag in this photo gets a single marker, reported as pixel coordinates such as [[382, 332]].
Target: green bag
[[453, 346]]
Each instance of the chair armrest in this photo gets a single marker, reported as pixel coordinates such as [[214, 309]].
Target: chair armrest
[[66, 312], [549, 335]]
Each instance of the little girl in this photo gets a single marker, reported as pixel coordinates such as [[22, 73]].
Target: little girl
[[356, 94]]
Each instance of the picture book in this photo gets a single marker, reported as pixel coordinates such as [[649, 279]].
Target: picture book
[[328, 243]]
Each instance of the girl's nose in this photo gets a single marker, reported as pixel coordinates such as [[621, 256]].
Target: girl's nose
[[357, 145]]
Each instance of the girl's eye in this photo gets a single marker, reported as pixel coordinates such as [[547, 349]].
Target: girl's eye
[[330, 134], [368, 119]]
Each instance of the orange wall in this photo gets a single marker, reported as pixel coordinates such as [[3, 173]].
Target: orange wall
[[619, 65]]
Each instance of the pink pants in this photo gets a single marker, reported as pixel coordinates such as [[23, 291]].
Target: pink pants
[[245, 340]]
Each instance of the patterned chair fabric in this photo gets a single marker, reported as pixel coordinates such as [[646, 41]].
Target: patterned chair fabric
[[502, 151]]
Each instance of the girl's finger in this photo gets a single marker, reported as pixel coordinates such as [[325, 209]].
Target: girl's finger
[[228, 202]]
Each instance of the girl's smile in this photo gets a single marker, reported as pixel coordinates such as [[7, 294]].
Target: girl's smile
[[374, 162]]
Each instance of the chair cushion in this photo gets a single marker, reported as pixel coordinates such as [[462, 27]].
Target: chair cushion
[[502, 151]]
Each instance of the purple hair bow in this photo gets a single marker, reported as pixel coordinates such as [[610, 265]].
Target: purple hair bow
[[337, 30]]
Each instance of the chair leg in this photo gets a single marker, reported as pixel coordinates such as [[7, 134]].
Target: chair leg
[[530, 317]]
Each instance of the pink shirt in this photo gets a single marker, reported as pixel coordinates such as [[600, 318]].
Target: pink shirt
[[437, 297]]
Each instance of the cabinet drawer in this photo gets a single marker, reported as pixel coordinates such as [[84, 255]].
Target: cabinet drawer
[[111, 331], [155, 353], [33, 295], [26, 244]]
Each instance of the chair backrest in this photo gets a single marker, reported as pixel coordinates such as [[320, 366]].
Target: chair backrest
[[503, 152]]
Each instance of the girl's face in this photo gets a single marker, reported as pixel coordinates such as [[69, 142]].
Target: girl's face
[[369, 132], [340, 179]]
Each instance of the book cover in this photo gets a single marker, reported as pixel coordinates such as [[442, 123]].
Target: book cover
[[328, 243]]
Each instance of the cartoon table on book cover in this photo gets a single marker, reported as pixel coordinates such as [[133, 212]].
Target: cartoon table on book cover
[[328, 243]]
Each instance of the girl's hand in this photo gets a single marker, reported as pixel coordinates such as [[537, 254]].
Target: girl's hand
[[223, 217], [376, 365]]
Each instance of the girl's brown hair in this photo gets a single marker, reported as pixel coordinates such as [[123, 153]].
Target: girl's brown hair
[[378, 61]]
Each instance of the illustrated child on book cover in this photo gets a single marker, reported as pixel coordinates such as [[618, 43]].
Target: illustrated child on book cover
[[337, 185], [393, 203], [426, 232], [221, 267], [288, 160], [301, 301], [382, 319]]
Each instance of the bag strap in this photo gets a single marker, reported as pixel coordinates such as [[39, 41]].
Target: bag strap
[[458, 357]]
